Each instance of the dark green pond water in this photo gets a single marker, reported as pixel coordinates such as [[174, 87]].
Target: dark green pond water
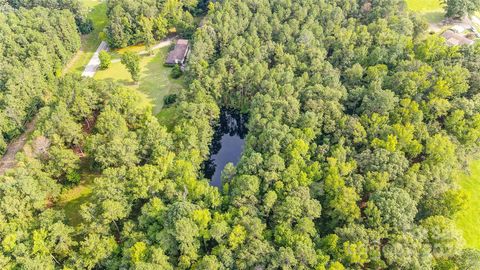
[[227, 145]]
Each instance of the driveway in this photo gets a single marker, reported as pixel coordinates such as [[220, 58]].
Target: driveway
[[94, 62]]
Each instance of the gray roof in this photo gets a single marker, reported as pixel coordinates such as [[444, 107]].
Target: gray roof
[[454, 39], [179, 53]]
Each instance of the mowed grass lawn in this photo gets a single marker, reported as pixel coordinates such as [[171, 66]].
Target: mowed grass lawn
[[90, 42], [424, 5], [468, 220], [432, 10], [91, 3], [155, 79]]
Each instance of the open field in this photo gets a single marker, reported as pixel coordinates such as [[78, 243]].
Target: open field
[[468, 220], [431, 10], [90, 42], [424, 5], [134, 48], [155, 79]]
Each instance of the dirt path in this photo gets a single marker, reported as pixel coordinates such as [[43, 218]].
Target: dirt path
[[8, 160], [77, 55], [72, 61]]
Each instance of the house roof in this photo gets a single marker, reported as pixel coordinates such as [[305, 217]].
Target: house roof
[[458, 28], [178, 54], [454, 39]]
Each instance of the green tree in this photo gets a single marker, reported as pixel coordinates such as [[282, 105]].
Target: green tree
[[94, 249], [131, 61], [460, 8], [113, 145], [395, 208], [147, 32], [160, 27], [444, 238], [105, 59], [62, 163], [407, 251]]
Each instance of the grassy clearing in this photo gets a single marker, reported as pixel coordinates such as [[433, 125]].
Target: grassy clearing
[[431, 10], [72, 199], [168, 117], [91, 3], [424, 5], [117, 53], [468, 220], [90, 42], [155, 79], [434, 16]]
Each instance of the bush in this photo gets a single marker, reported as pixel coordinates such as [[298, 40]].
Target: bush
[[176, 72], [105, 59], [85, 26], [3, 145], [73, 177], [169, 99]]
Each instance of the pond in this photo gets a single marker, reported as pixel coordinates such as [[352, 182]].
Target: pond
[[227, 144]]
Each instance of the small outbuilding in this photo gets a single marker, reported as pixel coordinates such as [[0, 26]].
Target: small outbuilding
[[454, 39], [179, 54]]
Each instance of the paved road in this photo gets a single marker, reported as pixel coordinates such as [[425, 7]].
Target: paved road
[[94, 62], [8, 160]]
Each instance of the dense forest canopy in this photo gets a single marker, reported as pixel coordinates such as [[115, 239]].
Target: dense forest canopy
[[36, 44], [460, 8], [74, 6], [136, 21], [358, 123]]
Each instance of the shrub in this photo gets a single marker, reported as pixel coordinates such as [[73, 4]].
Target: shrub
[[176, 72], [169, 99], [73, 177], [105, 59], [85, 26]]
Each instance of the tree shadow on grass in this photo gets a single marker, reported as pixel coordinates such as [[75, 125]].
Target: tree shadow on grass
[[434, 16], [128, 83], [72, 209]]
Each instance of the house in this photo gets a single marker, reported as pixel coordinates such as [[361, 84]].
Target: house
[[458, 29], [454, 39], [179, 54]]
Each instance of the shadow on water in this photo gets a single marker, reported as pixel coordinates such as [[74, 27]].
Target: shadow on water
[[227, 144]]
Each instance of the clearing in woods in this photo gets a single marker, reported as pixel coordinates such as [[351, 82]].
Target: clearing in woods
[[432, 10], [468, 220], [155, 79]]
